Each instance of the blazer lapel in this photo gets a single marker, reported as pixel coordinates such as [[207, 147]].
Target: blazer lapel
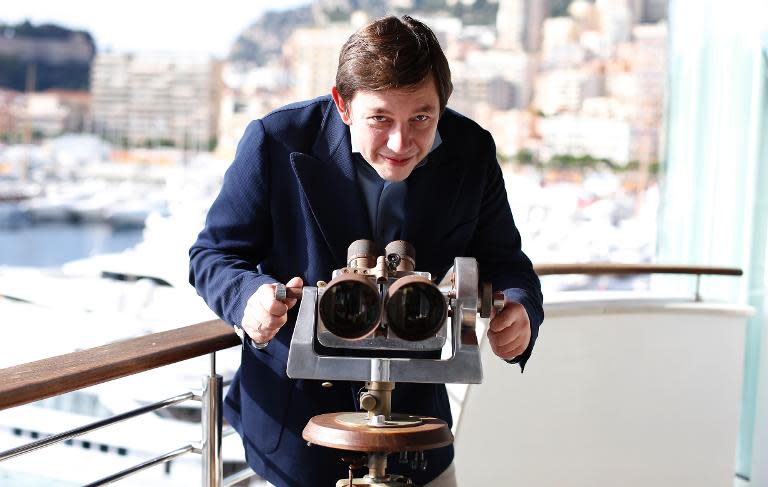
[[433, 193], [329, 182]]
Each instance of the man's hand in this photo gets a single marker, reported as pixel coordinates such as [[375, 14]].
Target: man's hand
[[509, 331], [264, 315]]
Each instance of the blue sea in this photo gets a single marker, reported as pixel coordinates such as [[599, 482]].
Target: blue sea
[[54, 244]]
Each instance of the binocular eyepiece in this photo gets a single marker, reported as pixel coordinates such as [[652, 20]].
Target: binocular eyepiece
[[374, 291], [350, 307], [415, 308]]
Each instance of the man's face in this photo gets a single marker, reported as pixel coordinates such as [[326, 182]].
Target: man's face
[[393, 129]]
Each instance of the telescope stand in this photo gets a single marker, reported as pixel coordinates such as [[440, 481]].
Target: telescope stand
[[380, 302], [377, 432]]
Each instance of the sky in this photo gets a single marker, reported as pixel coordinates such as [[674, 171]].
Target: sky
[[149, 25]]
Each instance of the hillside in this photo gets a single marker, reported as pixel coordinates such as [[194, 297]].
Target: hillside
[[52, 56], [263, 40]]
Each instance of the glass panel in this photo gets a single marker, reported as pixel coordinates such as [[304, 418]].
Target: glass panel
[[715, 175]]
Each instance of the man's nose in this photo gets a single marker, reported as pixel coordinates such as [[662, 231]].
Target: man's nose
[[399, 138]]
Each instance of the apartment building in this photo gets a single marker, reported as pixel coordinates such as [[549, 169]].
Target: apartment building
[[157, 99], [313, 56]]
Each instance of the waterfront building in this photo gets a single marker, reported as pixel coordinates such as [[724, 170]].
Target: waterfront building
[[558, 31], [649, 63], [654, 11], [564, 90], [55, 112], [502, 79], [585, 15], [156, 99], [313, 55], [9, 101], [519, 24], [512, 130], [24, 116], [575, 135], [636, 78], [457, 39], [249, 93], [615, 20], [560, 45], [43, 114]]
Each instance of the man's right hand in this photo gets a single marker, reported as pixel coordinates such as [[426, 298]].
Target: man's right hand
[[264, 315]]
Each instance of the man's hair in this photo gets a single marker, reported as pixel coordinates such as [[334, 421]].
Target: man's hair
[[392, 53]]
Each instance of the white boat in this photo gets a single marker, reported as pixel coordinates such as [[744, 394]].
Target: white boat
[[63, 323]]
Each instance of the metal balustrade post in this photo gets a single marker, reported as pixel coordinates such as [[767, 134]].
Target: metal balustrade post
[[698, 288], [211, 418]]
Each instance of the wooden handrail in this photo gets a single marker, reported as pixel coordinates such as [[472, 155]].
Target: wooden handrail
[[630, 269], [22, 384]]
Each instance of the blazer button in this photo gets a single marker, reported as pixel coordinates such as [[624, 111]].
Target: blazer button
[[327, 384]]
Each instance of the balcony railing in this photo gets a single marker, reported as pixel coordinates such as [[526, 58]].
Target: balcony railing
[[34, 381], [49, 377]]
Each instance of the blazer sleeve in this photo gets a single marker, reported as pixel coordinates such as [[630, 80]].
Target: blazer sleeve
[[224, 261], [498, 248]]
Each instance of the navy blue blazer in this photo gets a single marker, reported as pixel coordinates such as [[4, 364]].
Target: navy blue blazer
[[290, 205]]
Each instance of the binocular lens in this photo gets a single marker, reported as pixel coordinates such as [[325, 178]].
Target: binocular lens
[[350, 309], [416, 310]]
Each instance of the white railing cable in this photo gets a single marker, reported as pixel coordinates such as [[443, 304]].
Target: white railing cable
[[143, 466], [57, 438], [233, 479]]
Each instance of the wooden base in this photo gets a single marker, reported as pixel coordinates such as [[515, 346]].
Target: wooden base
[[326, 430]]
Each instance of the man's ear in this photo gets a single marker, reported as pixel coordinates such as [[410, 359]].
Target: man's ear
[[341, 106]]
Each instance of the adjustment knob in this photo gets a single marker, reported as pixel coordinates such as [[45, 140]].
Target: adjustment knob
[[368, 402], [361, 253], [405, 251]]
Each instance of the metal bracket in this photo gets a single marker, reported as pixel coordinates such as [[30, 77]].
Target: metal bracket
[[463, 366]]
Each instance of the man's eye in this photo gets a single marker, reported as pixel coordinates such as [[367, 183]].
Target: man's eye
[[379, 118], [421, 118]]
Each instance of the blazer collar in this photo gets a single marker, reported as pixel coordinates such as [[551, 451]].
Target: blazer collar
[[328, 179]]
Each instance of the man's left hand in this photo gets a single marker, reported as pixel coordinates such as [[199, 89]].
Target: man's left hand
[[509, 331]]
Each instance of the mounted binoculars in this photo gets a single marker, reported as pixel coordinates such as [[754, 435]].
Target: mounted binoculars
[[382, 302]]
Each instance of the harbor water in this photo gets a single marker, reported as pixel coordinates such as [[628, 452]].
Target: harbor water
[[53, 244]]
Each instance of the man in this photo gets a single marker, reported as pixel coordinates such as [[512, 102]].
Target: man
[[380, 159]]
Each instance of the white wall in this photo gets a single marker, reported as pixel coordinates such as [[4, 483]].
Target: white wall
[[615, 394]]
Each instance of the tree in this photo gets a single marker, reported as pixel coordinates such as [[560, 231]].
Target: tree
[[525, 157]]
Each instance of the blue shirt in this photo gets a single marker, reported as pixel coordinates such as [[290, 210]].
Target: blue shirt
[[384, 200]]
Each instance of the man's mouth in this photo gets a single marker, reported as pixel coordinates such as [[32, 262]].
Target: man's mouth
[[397, 161]]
